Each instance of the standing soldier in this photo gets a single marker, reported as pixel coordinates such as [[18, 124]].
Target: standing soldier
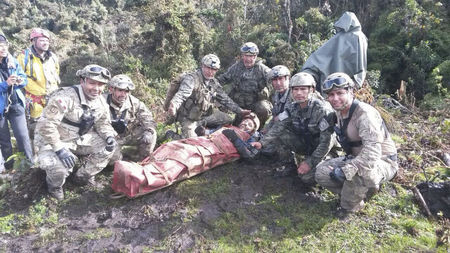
[[42, 69], [371, 154], [280, 76], [12, 103], [75, 131], [305, 127], [130, 118], [249, 80], [193, 104]]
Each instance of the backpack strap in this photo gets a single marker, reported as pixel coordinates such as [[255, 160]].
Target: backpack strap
[[113, 112]]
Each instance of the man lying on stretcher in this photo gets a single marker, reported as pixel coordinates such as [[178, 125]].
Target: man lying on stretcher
[[177, 160]]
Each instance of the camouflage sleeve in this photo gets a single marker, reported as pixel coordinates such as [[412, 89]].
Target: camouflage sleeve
[[103, 124], [326, 123], [266, 71], [52, 116], [145, 118], [185, 90], [277, 129], [226, 101], [227, 76], [370, 131], [265, 88]]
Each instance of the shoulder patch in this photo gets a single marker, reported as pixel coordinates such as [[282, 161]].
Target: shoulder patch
[[282, 116], [323, 125]]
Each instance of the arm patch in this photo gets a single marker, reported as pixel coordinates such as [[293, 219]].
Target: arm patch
[[323, 125], [282, 116]]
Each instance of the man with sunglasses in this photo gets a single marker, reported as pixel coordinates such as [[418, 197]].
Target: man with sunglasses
[[304, 127], [130, 118], [371, 155], [74, 132], [193, 105], [249, 81]]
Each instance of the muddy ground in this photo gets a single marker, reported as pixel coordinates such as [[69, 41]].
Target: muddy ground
[[181, 217]]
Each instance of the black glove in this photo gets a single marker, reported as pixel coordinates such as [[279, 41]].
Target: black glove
[[245, 150], [200, 131], [337, 175], [110, 144], [66, 157]]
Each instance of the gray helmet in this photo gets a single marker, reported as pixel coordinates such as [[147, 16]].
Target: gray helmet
[[121, 82], [302, 79], [211, 61], [249, 48], [338, 80], [278, 71], [95, 72]]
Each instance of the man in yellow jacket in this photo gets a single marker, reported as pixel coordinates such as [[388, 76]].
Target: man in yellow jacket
[[42, 69]]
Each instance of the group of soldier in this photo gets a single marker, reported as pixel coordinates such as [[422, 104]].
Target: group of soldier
[[79, 130]]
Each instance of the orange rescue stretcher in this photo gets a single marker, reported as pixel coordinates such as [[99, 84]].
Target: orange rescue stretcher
[[174, 161]]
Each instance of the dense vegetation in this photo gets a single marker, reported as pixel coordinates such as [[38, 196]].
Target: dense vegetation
[[238, 207], [408, 39]]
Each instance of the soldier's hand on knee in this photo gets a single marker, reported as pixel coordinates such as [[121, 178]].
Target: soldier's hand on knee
[[303, 168], [337, 175], [111, 143], [66, 157]]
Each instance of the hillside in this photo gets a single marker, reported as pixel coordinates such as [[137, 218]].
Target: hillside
[[238, 207]]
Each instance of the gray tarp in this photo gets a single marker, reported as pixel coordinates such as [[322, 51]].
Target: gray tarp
[[344, 52]]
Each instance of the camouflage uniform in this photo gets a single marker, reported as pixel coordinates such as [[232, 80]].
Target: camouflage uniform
[[53, 133], [138, 121], [370, 164], [279, 101], [306, 131], [250, 89], [195, 100]]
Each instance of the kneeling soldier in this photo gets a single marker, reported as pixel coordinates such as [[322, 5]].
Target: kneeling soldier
[[371, 154], [305, 127], [130, 118], [75, 132]]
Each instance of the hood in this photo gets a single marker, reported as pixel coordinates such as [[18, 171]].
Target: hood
[[348, 21]]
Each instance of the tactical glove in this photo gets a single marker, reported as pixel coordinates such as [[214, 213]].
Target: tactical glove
[[147, 137], [337, 175], [110, 144], [66, 157], [245, 150]]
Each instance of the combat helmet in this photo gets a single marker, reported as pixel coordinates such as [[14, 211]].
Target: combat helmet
[[338, 80], [249, 48], [278, 71], [302, 79], [95, 72], [211, 61], [122, 82]]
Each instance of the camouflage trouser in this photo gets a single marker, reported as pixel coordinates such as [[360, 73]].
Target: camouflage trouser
[[133, 139], [216, 119], [92, 159], [353, 192], [262, 109], [283, 146]]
